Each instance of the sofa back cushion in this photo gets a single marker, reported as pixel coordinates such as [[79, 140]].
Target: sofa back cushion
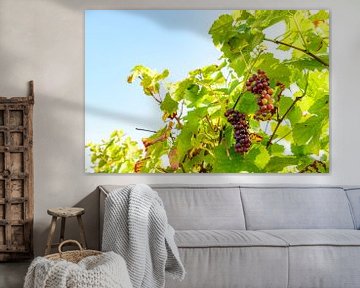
[[354, 198], [202, 207], [296, 208]]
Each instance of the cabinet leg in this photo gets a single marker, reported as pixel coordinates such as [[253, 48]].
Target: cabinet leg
[[51, 235]]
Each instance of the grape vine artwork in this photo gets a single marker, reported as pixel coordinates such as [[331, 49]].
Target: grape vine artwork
[[207, 91]]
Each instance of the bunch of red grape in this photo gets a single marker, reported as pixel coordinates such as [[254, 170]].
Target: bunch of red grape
[[259, 85], [241, 133]]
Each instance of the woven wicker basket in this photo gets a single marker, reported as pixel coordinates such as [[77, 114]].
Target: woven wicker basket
[[72, 256]]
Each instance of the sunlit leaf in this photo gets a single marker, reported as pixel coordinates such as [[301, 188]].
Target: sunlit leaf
[[247, 103], [303, 132], [169, 106], [263, 158]]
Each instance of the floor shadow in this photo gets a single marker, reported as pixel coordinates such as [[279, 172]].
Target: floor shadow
[[12, 275]]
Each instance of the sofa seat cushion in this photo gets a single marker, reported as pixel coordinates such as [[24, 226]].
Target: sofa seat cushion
[[235, 267], [317, 237], [226, 238], [322, 258]]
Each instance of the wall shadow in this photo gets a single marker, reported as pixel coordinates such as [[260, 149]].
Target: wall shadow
[[184, 19], [91, 222]]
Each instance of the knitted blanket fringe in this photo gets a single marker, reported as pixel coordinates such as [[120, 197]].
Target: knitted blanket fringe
[[136, 227], [107, 270]]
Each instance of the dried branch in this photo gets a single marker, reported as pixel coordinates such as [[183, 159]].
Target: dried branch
[[299, 49], [287, 112]]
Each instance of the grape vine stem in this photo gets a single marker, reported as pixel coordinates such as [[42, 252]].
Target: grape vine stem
[[146, 130], [312, 55], [282, 137], [287, 112]]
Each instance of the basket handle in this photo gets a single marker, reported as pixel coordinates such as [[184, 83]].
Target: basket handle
[[69, 241]]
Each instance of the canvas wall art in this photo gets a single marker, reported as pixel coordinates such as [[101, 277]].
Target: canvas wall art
[[207, 91]]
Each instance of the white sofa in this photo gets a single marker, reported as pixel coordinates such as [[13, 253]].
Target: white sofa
[[263, 237]]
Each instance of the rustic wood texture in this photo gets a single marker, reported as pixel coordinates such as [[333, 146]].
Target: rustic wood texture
[[16, 177], [51, 235], [82, 231], [66, 211], [63, 213]]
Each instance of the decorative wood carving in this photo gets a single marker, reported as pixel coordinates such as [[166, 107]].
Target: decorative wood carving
[[16, 177]]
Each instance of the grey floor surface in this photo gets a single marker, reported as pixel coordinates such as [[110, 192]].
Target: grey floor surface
[[12, 274]]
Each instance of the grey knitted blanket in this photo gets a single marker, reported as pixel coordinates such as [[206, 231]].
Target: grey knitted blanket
[[107, 270], [136, 227]]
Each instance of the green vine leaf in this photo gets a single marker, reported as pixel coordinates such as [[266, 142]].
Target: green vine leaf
[[169, 106], [305, 131], [247, 103], [263, 158]]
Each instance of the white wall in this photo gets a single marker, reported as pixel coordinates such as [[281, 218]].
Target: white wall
[[43, 40]]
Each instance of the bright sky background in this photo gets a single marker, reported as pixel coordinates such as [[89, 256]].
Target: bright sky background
[[116, 41]]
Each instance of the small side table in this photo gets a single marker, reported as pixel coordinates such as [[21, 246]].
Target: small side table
[[64, 213]]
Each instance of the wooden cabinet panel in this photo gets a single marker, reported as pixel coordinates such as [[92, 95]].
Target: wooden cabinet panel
[[16, 177]]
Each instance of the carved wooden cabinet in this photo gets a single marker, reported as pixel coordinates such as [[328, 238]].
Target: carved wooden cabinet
[[16, 177]]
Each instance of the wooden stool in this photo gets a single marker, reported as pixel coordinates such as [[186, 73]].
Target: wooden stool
[[64, 213]]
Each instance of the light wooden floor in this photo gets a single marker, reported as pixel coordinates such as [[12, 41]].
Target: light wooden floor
[[12, 274]]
